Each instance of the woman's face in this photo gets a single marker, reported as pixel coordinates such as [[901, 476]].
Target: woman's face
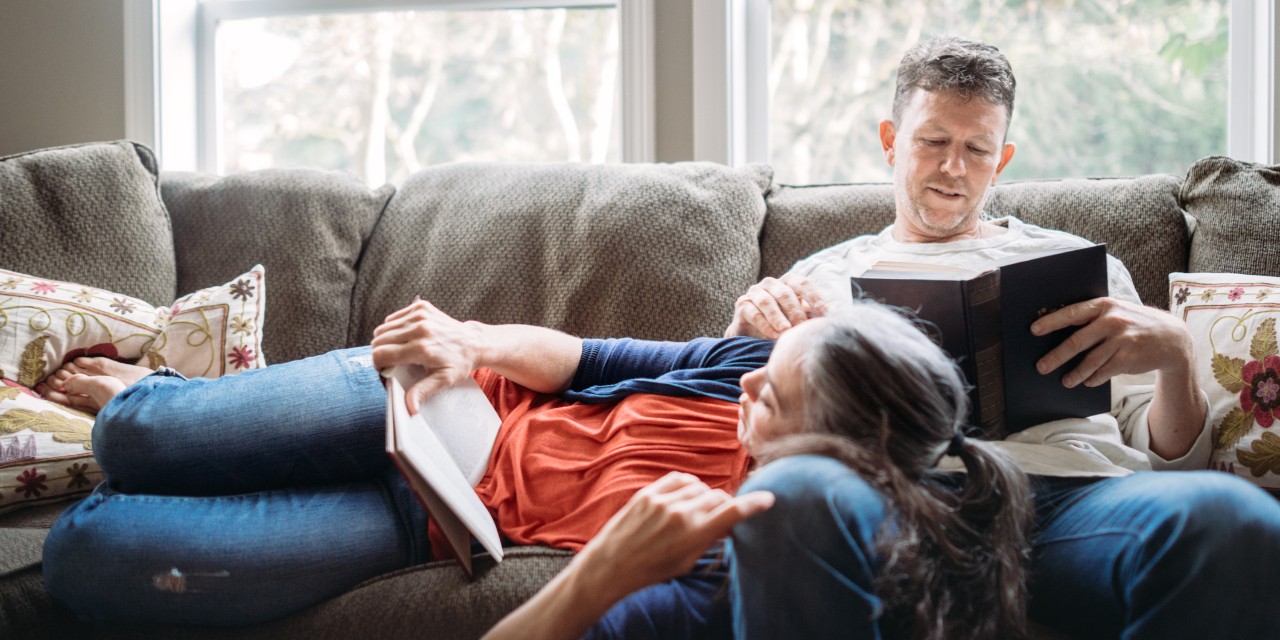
[[772, 400]]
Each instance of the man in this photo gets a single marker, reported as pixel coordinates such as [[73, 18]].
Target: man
[[1116, 552]]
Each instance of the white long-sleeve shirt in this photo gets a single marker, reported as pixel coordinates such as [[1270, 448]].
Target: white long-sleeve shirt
[[1108, 444]]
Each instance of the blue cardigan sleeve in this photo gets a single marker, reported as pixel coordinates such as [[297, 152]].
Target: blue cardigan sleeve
[[613, 369]]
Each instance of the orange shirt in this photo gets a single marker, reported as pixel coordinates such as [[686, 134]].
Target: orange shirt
[[559, 470]]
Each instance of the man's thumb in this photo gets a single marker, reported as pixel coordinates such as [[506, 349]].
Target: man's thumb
[[421, 390]]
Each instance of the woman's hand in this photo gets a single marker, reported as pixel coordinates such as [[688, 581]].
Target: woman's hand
[[423, 335], [663, 530], [658, 535]]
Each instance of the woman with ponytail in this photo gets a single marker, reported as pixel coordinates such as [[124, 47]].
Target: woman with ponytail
[[865, 398]]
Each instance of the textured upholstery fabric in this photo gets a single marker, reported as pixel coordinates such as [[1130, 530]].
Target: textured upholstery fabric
[[588, 249], [306, 227], [1235, 205], [1138, 218], [89, 214]]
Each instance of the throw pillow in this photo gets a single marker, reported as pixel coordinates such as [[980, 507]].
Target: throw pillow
[[1232, 319], [45, 323], [45, 450], [214, 331]]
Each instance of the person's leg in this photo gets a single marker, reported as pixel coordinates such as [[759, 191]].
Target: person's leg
[[1157, 555], [311, 421], [805, 568], [228, 560]]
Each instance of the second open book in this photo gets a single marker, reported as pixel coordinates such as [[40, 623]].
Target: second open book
[[984, 321], [442, 452]]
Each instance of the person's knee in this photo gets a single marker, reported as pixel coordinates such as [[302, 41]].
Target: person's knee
[[130, 430], [1222, 519], [820, 505]]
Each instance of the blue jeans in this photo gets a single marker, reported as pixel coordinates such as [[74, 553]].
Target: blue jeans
[[1150, 555], [237, 500]]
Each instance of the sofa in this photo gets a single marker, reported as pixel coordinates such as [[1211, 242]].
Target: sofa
[[654, 251]]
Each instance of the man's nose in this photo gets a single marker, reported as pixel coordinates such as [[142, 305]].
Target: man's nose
[[953, 163]]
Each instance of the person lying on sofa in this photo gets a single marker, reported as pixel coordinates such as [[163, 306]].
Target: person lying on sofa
[[1142, 555], [864, 391], [245, 498]]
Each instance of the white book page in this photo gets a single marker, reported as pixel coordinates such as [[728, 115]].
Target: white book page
[[462, 418], [418, 447]]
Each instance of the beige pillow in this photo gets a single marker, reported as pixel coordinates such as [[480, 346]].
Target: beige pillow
[[45, 323], [45, 450], [1232, 319]]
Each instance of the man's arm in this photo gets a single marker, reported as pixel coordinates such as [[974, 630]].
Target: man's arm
[[535, 357], [1127, 338], [774, 305]]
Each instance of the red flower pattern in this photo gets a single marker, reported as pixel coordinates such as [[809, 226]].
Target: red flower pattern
[[32, 483], [242, 357], [1261, 393], [44, 287], [104, 350], [1235, 294]]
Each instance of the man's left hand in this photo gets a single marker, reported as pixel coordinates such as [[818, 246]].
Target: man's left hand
[[1120, 338]]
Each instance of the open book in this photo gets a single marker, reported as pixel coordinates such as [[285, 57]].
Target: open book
[[984, 322], [443, 452]]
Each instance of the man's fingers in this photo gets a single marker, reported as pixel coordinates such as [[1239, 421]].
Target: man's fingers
[[1073, 315], [1078, 342], [753, 322], [816, 305]]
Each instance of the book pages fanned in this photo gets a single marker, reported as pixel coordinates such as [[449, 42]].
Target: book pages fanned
[[427, 449]]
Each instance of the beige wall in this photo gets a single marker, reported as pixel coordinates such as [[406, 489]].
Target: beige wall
[[61, 72]]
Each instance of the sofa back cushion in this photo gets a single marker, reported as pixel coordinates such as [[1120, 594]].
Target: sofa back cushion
[[307, 227], [1235, 205], [1138, 218], [89, 214], [647, 250]]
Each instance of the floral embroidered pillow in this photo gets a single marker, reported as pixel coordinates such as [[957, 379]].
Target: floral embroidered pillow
[[209, 333], [214, 331], [44, 322], [1232, 319], [45, 449]]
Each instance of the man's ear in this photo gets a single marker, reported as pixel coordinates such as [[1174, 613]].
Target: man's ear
[[1006, 155], [888, 133]]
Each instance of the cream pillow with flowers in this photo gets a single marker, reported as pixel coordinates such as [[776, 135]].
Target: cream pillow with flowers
[[46, 449], [1232, 320]]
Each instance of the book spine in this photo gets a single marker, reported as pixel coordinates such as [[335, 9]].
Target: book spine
[[983, 308]]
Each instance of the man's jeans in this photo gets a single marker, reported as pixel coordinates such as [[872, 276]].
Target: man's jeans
[[237, 500], [1150, 555]]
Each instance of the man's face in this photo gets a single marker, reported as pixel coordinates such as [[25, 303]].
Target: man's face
[[946, 152]]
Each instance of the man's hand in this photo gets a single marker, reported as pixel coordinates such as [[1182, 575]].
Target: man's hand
[[423, 335], [1121, 338], [774, 305]]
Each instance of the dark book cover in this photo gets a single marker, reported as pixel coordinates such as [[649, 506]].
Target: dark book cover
[[984, 321]]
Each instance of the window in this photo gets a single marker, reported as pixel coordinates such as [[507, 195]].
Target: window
[[383, 91], [1105, 87]]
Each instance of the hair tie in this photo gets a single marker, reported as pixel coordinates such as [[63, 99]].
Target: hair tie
[[957, 443]]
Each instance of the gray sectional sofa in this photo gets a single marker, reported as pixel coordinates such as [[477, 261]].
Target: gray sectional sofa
[[654, 251]]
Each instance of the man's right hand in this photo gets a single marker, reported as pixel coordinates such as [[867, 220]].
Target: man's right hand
[[774, 305]]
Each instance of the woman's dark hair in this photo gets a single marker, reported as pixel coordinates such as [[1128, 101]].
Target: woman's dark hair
[[886, 401]]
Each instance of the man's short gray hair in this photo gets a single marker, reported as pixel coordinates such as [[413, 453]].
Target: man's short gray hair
[[966, 68]]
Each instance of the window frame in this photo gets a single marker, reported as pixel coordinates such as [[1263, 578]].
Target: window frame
[[734, 69], [171, 77]]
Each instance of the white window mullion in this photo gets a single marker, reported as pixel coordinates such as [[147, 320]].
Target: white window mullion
[[1251, 131], [636, 44]]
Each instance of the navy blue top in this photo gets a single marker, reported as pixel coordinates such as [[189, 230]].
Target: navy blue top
[[613, 369]]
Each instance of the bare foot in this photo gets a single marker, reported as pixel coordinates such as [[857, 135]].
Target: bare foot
[[89, 383]]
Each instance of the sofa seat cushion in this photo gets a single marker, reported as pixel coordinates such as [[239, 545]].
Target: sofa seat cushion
[[307, 227], [651, 251], [89, 214], [1234, 204]]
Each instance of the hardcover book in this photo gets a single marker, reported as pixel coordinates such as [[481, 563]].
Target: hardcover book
[[983, 320], [442, 452]]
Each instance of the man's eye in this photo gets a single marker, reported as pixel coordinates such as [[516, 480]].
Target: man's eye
[[979, 150], [933, 142]]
